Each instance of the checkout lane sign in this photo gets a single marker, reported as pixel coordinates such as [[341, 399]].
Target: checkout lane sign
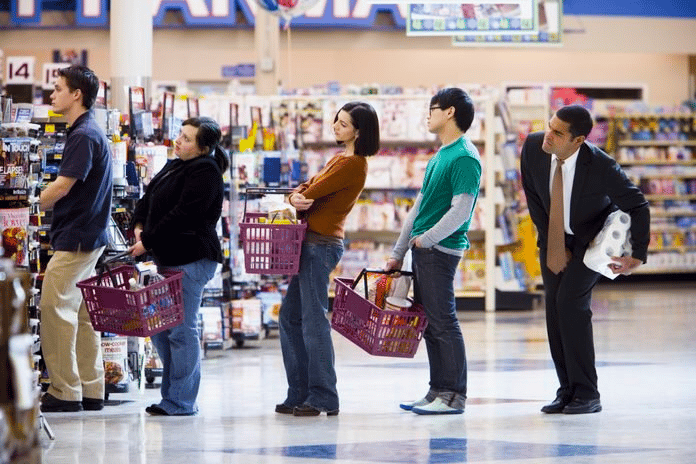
[[50, 74], [19, 70]]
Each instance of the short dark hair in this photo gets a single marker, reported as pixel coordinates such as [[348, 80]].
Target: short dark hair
[[83, 78], [364, 119], [208, 139], [462, 103], [579, 119]]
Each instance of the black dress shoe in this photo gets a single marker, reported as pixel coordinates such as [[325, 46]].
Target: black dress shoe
[[282, 408], [155, 410], [307, 410], [50, 403], [556, 406], [92, 404], [580, 406]]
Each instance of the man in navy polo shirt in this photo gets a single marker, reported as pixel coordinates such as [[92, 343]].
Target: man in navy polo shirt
[[81, 201]]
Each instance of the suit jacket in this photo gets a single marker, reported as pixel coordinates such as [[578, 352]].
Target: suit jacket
[[599, 188]]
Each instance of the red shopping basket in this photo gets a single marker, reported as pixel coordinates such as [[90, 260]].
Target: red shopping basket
[[114, 308], [380, 332], [270, 248]]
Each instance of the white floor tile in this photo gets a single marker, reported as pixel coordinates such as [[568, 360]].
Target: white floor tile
[[646, 351]]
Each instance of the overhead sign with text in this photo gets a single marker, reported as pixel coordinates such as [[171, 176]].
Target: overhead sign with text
[[215, 13]]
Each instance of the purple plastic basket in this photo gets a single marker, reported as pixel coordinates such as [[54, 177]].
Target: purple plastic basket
[[271, 248], [114, 308], [380, 332]]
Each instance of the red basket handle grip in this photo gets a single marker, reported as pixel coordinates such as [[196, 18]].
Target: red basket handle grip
[[364, 272]]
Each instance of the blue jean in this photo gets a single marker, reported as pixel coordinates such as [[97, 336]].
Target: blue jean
[[305, 332], [434, 289], [179, 348]]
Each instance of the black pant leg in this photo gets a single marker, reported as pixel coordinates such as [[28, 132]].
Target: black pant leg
[[569, 327]]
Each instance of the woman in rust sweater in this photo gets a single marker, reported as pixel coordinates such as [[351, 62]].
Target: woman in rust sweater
[[326, 199]]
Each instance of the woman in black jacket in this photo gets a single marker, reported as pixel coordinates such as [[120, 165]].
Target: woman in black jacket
[[175, 222]]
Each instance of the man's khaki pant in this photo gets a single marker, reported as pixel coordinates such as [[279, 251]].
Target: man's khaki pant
[[71, 348]]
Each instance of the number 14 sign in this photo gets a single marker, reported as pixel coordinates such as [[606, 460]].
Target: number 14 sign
[[19, 70]]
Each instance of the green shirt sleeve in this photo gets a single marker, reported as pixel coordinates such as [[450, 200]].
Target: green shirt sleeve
[[465, 176]]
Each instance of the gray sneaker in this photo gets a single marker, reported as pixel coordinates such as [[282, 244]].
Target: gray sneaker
[[415, 404], [439, 406]]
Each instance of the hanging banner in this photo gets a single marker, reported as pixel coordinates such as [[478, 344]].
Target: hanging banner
[[476, 18], [550, 31]]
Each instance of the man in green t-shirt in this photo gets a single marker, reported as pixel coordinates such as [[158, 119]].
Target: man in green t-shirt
[[435, 230]]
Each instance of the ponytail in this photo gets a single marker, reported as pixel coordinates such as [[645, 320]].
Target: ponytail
[[221, 158]]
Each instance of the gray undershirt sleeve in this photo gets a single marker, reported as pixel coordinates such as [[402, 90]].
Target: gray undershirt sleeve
[[402, 244], [458, 214]]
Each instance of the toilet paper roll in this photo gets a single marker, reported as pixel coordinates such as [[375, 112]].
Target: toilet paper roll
[[613, 240]]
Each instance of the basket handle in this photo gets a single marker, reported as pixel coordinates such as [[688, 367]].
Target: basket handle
[[364, 272], [103, 265], [263, 191]]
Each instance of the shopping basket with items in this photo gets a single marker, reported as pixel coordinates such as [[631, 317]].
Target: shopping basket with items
[[272, 241], [115, 306], [377, 316]]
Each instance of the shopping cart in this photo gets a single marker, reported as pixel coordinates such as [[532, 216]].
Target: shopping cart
[[114, 307], [270, 247], [380, 332]]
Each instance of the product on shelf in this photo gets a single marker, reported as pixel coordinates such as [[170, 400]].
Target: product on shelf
[[657, 149]]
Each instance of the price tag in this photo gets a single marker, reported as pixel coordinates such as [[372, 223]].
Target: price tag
[[50, 74], [19, 69]]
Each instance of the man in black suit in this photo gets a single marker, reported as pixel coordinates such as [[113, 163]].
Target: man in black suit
[[591, 186]]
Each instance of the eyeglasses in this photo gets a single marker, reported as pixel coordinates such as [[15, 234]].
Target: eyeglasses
[[434, 108]]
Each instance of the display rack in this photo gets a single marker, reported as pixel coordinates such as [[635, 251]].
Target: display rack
[[658, 151], [306, 122]]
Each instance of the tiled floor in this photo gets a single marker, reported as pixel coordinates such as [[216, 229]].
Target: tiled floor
[[645, 339]]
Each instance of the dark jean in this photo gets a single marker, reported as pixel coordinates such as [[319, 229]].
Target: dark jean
[[179, 348], [305, 332], [434, 289]]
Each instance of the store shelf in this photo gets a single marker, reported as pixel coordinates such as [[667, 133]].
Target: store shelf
[[670, 228], [540, 105], [392, 189], [665, 163], [650, 162], [681, 249], [469, 294], [391, 236], [657, 143], [672, 270], [381, 236], [671, 213], [650, 197], [671, 115], [667, 176], [383, 144]]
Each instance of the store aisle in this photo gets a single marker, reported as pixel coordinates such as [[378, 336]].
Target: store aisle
[[646, 351]]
